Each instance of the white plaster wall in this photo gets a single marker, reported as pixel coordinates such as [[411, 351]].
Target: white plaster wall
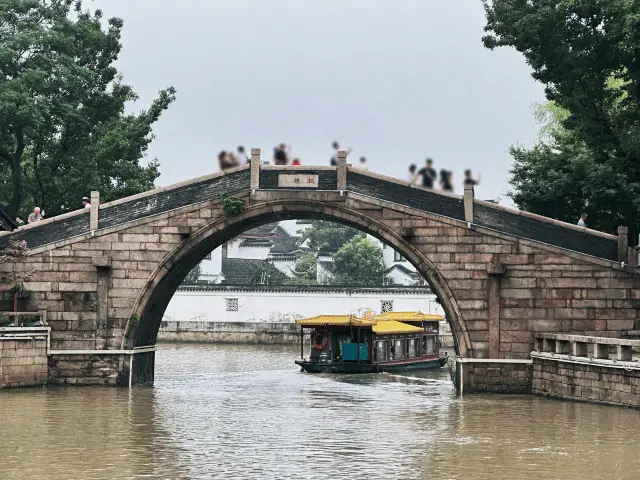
[[286, 307], [212, 266], [399, 278], [257, 253], [293, 228], [233, 248], [285, 266]]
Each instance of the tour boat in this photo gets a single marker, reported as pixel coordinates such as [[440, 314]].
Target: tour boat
[[390, 342]]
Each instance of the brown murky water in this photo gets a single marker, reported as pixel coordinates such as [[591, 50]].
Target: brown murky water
[[239, 412]]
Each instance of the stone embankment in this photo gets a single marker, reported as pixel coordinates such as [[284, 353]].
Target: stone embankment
[[229, 332], [23, 353], [247, 332], [577, 367]]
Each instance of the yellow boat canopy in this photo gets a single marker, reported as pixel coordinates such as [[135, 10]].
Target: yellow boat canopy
[[392, 327], [409, 317], [335, 320]]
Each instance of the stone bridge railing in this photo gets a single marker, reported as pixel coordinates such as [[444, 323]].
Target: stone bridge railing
[[343, 178], [578, 367], [584, 348]]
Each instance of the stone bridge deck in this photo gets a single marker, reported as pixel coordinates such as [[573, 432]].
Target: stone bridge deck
[[214, 187]]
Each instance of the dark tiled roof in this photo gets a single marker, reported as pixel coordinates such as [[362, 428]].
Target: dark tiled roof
[[414, 276], [388, 289], [286, 244], [238, 271], [256, 242], [403, 269], [268, 230]]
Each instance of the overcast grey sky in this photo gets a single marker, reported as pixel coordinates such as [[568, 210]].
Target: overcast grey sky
[[396, 80]]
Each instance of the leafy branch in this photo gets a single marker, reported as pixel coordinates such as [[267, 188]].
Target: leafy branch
[[232, 206]]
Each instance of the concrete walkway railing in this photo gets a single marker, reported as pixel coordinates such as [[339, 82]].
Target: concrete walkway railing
[[582, 346], [17, 316]]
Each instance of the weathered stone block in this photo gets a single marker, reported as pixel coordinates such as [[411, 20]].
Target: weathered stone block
[[77, 287], [38, 286]]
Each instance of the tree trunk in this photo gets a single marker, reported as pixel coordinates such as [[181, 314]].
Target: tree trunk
[[18, 192]]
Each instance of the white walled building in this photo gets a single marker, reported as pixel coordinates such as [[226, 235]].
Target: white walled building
[[281, 244], [285, 304]]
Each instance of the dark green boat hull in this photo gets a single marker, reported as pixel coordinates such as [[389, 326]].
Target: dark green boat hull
[[352, 367]]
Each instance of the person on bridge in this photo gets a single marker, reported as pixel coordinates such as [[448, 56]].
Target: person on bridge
[[582, 222], [296, 162], [427, 173], [85, 203], [242, 156], [336, 148], [281, 154], [468, 179], [226, 160], [446, 180], [362, 165], [412, 172], [35, 216]]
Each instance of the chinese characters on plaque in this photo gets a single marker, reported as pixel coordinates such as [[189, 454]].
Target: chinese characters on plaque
[[297, 181]]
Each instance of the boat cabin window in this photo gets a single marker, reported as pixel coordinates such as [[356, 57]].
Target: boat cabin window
[[397, 349], [428, 345], [381, 351], [413, 347]]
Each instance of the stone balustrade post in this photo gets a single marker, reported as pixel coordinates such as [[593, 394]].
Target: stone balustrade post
[[103, 266], [93, 212], [468, 203], [495, 270], [623, 244], [342, 170], [255, 169]]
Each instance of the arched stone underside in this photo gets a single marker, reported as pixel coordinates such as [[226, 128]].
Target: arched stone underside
[[164, 281]]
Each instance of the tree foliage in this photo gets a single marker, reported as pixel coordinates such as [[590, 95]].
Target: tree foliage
[[359, 262], [64, 128], [267, 274], [305, 270], [324, 236], [586, 55], [15, 252]]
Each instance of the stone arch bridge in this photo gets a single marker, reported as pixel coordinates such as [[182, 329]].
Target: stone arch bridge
[[105, 276]]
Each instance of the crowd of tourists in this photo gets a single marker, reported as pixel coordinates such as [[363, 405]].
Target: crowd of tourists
[[428, 176], [282, 156]]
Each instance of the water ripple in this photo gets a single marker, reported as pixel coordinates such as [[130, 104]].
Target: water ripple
[[240, 412]]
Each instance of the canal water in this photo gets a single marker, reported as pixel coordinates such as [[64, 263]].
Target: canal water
[[246, 412]]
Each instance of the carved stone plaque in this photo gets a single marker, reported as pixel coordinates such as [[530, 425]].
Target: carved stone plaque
[[297, 181]]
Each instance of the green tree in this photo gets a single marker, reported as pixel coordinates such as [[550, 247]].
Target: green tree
[[327, 236], [359, 262], [267, 274], [585, 53], [305, 270], [64, 129], [193, 276]]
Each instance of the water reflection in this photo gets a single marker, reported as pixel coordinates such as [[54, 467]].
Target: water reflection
[[247, 412]]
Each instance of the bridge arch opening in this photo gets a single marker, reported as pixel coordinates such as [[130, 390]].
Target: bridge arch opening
[[151, 304]]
